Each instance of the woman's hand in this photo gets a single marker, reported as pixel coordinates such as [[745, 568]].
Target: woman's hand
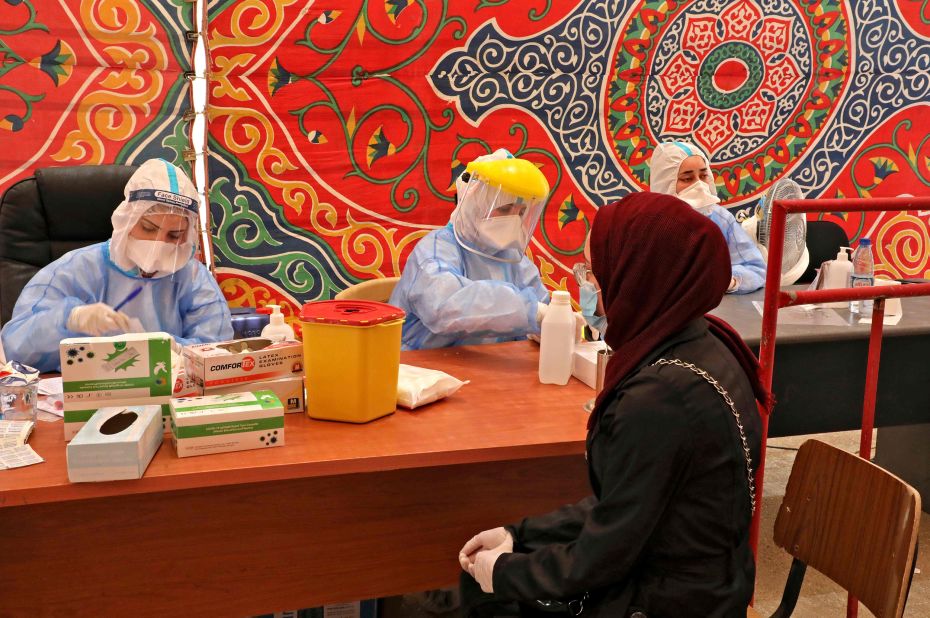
[[482, 569], [497, 538]]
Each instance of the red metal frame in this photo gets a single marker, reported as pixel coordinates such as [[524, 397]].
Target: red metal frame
[[776, 299]]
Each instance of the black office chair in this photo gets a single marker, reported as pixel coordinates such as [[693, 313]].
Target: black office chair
[[824, 239], [45, 216]]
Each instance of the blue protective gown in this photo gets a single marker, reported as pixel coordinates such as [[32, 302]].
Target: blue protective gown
[[454, 297], [745, 258], [188, 305]]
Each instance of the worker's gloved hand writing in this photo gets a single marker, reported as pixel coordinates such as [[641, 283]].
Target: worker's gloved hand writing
[[483, 568], [489, 539], [97, 320]]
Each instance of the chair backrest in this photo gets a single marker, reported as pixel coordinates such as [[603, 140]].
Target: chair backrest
[[373, 289], [45, 216], [824, 239], [853, 522]]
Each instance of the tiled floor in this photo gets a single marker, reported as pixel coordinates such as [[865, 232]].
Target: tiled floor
[[819, 596]]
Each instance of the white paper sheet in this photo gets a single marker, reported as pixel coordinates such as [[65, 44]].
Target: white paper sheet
[[806, 315], [889, 320], [18, 456], [51, 406], [50, 386]]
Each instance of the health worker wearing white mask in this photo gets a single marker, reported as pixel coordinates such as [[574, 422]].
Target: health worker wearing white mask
[[470, 281], [682, 169], [146, 269]]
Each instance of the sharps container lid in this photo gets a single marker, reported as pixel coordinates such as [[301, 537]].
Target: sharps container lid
[[350, 312]]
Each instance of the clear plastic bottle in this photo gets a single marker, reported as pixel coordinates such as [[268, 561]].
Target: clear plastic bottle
[[557, 341], [863, 275], [277, 329]]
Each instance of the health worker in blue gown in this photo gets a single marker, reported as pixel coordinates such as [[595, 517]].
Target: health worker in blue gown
[[682, 169], [148, 260], [470, 281]]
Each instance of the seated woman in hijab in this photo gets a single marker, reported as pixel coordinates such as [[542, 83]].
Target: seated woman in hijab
[[142, 279], [682, 169], [671, 463]]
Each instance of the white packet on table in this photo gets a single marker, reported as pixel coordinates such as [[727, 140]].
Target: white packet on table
[[417, 386]]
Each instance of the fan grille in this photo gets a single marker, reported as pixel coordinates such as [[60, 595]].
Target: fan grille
[[795, 223]]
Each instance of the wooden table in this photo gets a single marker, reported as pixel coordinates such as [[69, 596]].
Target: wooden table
[[342, 512]]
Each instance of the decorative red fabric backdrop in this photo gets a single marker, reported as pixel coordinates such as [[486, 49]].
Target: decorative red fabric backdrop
[[92, 81]]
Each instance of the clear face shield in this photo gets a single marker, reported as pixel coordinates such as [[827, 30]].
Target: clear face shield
[[162, 241], [495, 223], [155, 228]]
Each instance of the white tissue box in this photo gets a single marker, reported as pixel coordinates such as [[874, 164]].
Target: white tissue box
[[584, 366], [76, 414], [223, 423], [117, 443]]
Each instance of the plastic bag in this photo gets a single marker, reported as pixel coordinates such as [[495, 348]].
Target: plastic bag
[[417, 386]]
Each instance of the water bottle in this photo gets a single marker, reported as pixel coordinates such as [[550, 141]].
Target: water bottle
[[863, 275], [557, 341]]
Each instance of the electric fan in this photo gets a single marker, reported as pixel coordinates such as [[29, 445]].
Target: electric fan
[[795, 258]]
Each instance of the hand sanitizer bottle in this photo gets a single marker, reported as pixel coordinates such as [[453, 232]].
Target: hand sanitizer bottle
[[557, 341], [838, 273], [277, 330]]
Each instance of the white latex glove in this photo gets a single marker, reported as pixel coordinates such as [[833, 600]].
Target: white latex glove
[[97, 320], [483, 568], [734, 283], [489, 539], [541, 309]]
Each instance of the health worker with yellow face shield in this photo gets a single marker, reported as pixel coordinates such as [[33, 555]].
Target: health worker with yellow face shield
[[470, 282], [143, 279], [682, 169]]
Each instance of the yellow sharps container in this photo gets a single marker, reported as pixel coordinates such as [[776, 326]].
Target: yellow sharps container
[[351, 359]]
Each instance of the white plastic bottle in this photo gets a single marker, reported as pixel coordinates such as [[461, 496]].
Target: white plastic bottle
[[277, 330], [557, 341], [837, 275], [863, 275]]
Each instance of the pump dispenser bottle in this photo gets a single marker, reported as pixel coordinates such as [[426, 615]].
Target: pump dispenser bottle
[[836, 275], [277, 329], [557, 341]]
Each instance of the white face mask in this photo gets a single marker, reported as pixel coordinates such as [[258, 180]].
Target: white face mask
[[156, 257], [698, 196], [500, 233]]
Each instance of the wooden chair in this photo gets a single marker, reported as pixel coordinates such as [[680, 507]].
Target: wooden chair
[[373, 289], [852, 521]]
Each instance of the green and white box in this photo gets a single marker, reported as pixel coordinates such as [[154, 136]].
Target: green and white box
[[117, 443], [223, 423], [290, 391], [130, 366]]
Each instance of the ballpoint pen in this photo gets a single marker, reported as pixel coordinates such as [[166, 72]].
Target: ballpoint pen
[[132, 295]]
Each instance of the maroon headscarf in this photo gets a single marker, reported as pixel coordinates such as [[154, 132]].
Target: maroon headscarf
[[660, 264]]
